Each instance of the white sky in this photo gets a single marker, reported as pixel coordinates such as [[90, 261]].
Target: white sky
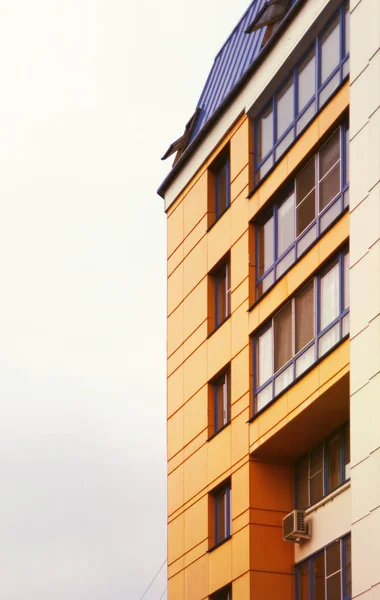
[[93, 92]]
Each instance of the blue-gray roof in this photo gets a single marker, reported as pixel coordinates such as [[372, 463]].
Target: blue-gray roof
[[233, 61]]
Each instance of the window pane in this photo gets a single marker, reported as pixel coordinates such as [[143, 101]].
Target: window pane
[[347, 30], [265, 357], [316, 488], [347, 591], [305, 201], [329, 170], [328, 339], [329, 88], [222, 189], [221, 303], [346, 276], [347, 457], [333, 558], [319, 577], [305, 181], [330, 50], [307, 115], [222, 401], [304, 587], [330, 296], [329, 154], [306, 80], [347, 147], [268, 164], [334, 587], [305, 360], [265, 246], [265, 133], [283, 380], [284, 144], [303, 483], [283, 336], [221, 515], [286, 224], [264, 397], [265, 284], [285, 108], [316, 460], [285, 262], [333, 455], [304, 316]]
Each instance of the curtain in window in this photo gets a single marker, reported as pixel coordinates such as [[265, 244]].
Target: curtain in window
[[265, 357], [329, 296], [283, 337]]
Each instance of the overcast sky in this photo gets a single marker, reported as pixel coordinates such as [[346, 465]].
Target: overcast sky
[[92, 93]]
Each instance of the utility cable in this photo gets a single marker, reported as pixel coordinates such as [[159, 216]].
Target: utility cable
[[153, 580], [163, 594]]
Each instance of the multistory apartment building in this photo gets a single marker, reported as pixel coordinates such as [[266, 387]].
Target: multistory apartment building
[[273, 208]]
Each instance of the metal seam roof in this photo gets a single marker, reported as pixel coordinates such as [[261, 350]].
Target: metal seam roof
[[236, 57]]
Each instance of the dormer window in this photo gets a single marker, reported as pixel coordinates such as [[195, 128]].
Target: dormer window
[[269, 16]]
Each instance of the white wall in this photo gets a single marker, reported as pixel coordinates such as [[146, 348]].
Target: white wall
[[365, 295], [328, 522]]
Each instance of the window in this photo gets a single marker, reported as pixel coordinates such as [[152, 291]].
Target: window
[[326, 575], [221, 509], [220, 401], [324, 468], [317, 196], [220, 293], [219, 180], [309, 86], [223, 594], [302, 331]]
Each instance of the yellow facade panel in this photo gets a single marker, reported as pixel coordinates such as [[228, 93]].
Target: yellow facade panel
[[240, 375], [220, 567], [219, 239], [240, 491], [195, 204], [239, 329], [239, 216], [241, 405], [196, 524], [239, 261], [176, 539], [241, 521], [239, 147], [175, 330], [195, 415], [240, 552], [219, 349], [219, 456], [176, 586], [195, 372], [175, 490], [195, 308], [175, 433], [175, 391], [240, 295], [175, 289], [195, 473], [241, 587], [175, 360], [240, 436], [175, 229], [195, 266], [195, 235], [196, 579], [175, 259]]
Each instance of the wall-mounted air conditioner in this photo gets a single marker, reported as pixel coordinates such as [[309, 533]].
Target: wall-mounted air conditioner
[[294, 527]]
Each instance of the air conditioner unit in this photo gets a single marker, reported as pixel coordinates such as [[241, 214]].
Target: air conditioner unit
[[294, 528]]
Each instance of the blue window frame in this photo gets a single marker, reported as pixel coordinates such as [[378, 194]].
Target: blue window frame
[[302, 331], [326, 575], [221, 400], [323, 468], [312, 82], [222, 512], [220, 192], [316, 197]]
